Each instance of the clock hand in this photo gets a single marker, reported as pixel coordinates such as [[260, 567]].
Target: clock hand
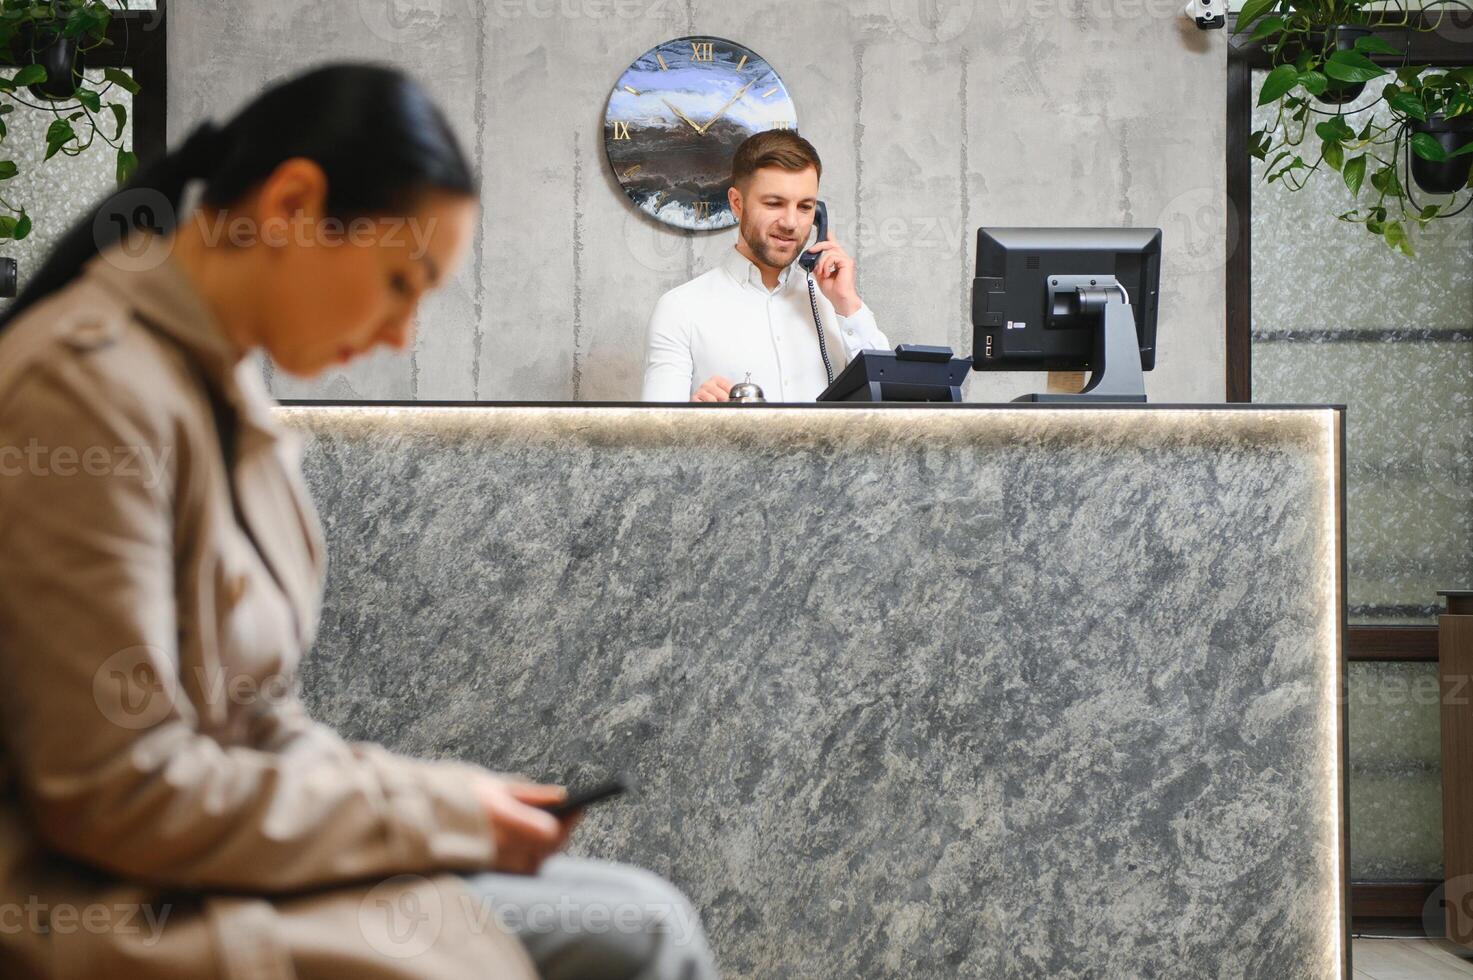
[[699, 130], [728, 105]]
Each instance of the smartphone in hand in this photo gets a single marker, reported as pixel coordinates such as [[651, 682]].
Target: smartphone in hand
[[586, 798]]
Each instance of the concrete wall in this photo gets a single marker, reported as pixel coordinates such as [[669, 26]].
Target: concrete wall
[[933, 116]]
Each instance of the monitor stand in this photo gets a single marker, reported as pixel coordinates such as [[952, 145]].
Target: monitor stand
[[1116, 375]]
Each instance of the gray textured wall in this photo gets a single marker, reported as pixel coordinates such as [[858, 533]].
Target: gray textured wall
[[907, 693], [934, 117]]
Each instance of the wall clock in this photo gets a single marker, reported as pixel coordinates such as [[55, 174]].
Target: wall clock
[[675, 119]]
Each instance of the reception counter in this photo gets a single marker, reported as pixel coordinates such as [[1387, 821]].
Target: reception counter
[[908, 692]]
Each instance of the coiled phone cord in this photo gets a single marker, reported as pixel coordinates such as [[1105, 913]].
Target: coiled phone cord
[[823, 347]]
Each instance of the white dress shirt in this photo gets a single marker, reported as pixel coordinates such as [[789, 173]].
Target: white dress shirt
[[727, 322]]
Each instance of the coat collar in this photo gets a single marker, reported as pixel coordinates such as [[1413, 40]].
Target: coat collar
[[269, 491], [148, 281]]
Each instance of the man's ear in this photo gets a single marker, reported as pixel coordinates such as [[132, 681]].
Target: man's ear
[[734, 198]]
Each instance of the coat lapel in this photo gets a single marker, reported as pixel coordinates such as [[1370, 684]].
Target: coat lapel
[[269, 493]]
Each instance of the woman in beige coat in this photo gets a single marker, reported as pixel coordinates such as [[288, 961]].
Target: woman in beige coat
[[167, 808]]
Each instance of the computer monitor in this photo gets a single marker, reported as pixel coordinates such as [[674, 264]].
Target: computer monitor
[[1069, 299]]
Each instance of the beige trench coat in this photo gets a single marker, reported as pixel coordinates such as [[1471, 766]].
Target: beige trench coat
[[167, 807]]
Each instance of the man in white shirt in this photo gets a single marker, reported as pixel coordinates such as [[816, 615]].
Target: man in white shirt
[[753, 315]]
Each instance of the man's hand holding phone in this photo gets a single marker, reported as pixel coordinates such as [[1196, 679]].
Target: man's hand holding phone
[[834, 274]]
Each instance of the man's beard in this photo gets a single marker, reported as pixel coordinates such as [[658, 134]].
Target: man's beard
[[757, 244]]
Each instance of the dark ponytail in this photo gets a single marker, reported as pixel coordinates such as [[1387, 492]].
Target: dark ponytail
[[376, 134]]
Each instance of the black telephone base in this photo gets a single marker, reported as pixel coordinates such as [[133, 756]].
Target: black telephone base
[[1074, 399]]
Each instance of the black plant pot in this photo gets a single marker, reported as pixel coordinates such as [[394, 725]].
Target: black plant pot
[[1344, 37], [1449, 176], [61, 59]]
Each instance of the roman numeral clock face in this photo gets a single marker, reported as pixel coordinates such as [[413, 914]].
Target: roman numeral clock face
[[676, 118]]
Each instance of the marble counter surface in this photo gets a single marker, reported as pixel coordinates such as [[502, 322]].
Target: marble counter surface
[[1001, 692]]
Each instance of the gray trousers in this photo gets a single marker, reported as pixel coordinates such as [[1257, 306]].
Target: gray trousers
[[594, 920]]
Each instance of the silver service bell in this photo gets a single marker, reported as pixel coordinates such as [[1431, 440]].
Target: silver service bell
[[746, 392]]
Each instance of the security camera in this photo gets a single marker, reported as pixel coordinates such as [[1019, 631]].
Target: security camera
[[1210, 15]]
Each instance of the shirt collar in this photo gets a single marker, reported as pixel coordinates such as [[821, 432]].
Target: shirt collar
[[744, 272]]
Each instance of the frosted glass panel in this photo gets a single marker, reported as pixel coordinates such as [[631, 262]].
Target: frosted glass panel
[[1395, 772], [1340, 318], [57, 192]]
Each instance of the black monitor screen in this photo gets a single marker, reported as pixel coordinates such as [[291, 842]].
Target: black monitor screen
[[1011, 319]]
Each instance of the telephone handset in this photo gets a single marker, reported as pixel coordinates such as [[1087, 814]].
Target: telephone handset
[[807, 261]]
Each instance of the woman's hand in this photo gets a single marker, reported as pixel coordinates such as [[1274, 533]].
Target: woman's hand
[[525, 834]]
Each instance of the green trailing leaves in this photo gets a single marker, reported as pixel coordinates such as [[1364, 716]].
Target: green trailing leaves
[[1426, 146], [121, 115], [127, 164], [1352, 66], [1335, 128], [1371, 44], [1408, 103], [58, 135], [1396, 237], [1267, 27], [1386, 181], [8, 169], [1354, 173], [29, 75], [122, 79], [1334, 154], [1259, 144], [1278, 83], [1315, 83], [1254, 9]]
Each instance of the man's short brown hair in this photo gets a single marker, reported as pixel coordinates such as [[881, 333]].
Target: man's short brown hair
[[773, 148]]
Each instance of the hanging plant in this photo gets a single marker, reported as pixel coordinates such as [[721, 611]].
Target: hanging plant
[[1322, 54], [46, 42]]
